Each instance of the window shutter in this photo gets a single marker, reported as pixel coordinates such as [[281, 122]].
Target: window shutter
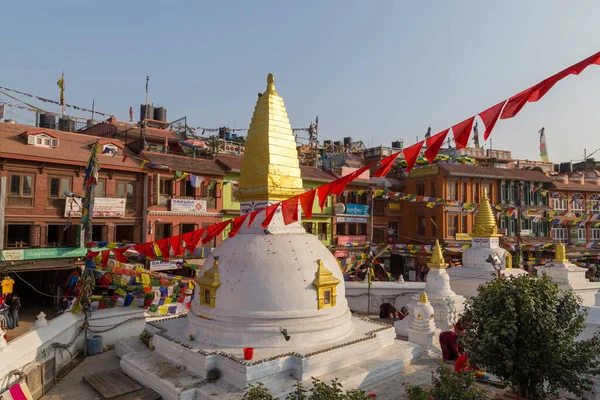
[[156, 189], [54, 143], [30, 139]]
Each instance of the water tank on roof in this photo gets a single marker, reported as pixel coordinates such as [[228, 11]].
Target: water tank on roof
[[91, 122], [398, 144], [160, 114], [347, 142], [222, 132], [47, 121], [227, 135], [143, 112], [66, 124], [10, 121]]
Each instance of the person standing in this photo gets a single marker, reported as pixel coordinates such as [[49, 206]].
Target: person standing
[[5, 310], [14, 309]]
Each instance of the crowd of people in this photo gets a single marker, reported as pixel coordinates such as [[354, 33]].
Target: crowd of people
[[9, 308]]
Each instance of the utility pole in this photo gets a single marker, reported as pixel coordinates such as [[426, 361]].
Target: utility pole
[[145, 117], [519, 240], [369, 258]]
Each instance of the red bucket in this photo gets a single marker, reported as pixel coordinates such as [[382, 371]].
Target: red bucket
[[248, 353]]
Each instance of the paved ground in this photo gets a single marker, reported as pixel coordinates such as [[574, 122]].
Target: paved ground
[[27, 318], [72, 387]]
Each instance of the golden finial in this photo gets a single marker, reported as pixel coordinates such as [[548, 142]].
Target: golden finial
[[423, 299], [560, 253], [270, 137], [437, 258], [485, 222]]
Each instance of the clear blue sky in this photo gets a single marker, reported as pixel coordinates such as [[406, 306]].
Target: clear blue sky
[[374, 70]]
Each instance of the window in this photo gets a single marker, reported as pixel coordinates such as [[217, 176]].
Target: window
[[209, 193], [165, 191], [476, 188], [57, 236], [577, 202], [340, 228], [124, 233], [594, 203], [378, 207], [379, 235], [581, 235], [452, 224], [98, 233], [465, 224], [110, 149], [560, 234], [126, 190], [185, 228], [362, 229], [309, 227], [595, 235], [452, 189], [433, 184], [21, 191], [42, 140], [187, 190], [393, 226], [58, 186], [433, 226], [326, 297], [352, 229], [464, 192], [100, 190], [206, 297], [420, 189], [421, 225], [323, 230], [558, 202], [162, 231], [18, 235]]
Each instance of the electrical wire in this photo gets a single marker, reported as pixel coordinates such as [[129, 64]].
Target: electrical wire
[[31, 286]]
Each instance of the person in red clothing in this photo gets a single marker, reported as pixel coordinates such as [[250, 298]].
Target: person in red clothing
[[449, 342], [403, 313]]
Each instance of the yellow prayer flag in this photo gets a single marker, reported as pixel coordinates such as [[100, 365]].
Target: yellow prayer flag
[[168, 300], [120, 292], [61, 85], [360, 192], [430, 204], [163, 310], [143, 164]]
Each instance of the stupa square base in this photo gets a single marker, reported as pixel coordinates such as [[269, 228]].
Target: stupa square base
[[370, 354]]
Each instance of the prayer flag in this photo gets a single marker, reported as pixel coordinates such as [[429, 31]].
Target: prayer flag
[[289, 210], [386, 165], [196, 180], [411, 154], [543, 149], [269, 214], [461, 132], [237, 224], [434, 143], [490, 117], [307, 200]]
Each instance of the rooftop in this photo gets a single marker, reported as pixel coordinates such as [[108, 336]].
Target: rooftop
[[183, 163], [494, 173], [73, 148], [110, 128]]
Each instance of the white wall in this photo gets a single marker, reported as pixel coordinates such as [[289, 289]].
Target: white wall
[[34, 345], [396, 293]]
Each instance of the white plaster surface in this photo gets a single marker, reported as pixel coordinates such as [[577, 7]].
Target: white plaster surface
[[568, 276], [396, 293]]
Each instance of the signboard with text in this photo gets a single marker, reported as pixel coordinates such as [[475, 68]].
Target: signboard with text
[[462, 236], [103, 207], [340, 254], [165, 265], [357, 209], [343, 240], [356, 220], [39, 254], [188, 205]]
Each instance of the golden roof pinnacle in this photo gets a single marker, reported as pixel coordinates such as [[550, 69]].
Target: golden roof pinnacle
[[437, 258], [423, 298], [485, 222], [560, 253]]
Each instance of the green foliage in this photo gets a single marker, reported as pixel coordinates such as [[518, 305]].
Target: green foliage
[[448, 385], [319, 391], [523, 330]]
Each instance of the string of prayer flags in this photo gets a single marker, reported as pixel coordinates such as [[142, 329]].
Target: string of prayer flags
[[175, 242], [215, 230], [323, 191], [165, 249], [289, 210], [180, 175], [253, 215], [462, 132], [386, 165], [196, 180], [269, 214], [434, 143], [146, 250], [411, 154], [307, 200], [238, 222], [119, 253], [192, 239]]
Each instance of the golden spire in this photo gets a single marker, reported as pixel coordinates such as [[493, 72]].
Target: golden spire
[[270, 167], [437, 258], [423, 299], [485, 222], [210, 278], [560, 253]]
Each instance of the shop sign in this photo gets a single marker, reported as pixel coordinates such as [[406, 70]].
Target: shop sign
[[340, 254], [357, 209], [104, 207], [165, 265], [344, 240], [357, 220], [424, 171], [40, 254], [188, 205], [462, 236]]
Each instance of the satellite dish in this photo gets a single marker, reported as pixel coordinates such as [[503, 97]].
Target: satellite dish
[[339, 208]]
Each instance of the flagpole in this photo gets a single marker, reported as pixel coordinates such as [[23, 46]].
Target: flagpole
[[145, 117], [63, 92]]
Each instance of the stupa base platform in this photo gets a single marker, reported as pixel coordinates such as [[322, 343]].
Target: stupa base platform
[[178, 368], [465, 281]]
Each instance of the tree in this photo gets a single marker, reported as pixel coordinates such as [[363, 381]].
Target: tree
[[524, 330], [448, 385]]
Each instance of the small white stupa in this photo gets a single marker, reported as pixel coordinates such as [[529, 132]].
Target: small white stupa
[[270, 305], [485, 258], [448, 306], [423, 330], [569, 276]]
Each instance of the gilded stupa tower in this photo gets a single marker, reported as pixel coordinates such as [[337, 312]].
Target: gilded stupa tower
[[485, 223]]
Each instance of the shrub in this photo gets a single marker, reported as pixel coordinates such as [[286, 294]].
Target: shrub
[[319, 391], [448, 385]]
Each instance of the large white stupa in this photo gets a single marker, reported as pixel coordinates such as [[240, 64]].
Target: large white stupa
[[277, 290], [485, 258]]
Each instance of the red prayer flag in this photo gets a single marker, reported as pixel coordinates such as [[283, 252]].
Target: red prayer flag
[[338, 186], [192, 239], [165, 249], [462, 131], [237, 224], [270, 213], [92, 254], [145, 249], [175, 242], [411, 154], [307, 200], [253, 215], [119, 253], [386, 165], [289, 210], [323, 191], [489, 118], [105, 255], [215, 230], [434, 143]]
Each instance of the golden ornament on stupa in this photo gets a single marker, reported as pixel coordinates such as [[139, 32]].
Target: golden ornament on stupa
[[485, 223], [560, 254], [437, 258], [423, 298], [270, 167]]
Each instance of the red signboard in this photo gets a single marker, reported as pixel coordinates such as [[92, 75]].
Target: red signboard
[[344, 240], [340, 254]]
